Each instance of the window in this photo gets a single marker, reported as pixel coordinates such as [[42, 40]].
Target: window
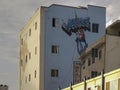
[[30, 32], [88, 78], [54, 22], [89, 61], [35, 73], [83, 67], [93, 74], [55, 49], [95, 27], [54, 73], [35, 25], [118, 33], [29, 77], [107, 85], [26, 58], [100, 54], [89, 88], [93, 60], [21, 62], [35, 50], [94, 52], [21, 41], [29, 55]]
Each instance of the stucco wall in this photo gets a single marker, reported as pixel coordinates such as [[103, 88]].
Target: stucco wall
[[112, 52], [32, 64], [63, 61]]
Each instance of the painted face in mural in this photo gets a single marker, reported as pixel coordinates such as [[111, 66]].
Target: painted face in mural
[[78, 26]]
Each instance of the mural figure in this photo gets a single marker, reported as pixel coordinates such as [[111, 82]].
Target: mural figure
[[78, 26]]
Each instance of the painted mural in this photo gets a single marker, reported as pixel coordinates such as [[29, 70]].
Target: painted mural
[[78, 26]]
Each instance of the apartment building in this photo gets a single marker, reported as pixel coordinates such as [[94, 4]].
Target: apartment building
[[101, 56], [50, 43]]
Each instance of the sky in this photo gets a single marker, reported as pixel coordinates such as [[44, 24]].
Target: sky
[[14, 14]]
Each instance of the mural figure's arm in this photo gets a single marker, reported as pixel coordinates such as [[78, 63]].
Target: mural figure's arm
[[66, 30]]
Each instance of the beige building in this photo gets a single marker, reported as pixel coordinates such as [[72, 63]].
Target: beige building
[[101, 56], [29, 54], [113, 47], [93, 60]]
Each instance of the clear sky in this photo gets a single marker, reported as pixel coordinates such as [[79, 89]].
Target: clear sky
[[14, 14]]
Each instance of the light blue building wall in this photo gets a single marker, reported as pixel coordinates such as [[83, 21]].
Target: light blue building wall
[[67, 53]]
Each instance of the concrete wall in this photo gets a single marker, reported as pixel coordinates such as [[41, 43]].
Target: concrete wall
[[99, 63], [67, 53], [112, 53], [98, 66]]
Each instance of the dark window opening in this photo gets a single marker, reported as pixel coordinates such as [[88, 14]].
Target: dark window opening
[[35, 73], [35, 50], [94, 74], [26, 58], [89, 61], [93, 60], [21, 62], [54, 73], [83, 67], [94, 52], [55, 49], [95, 27], [100, 54], [53, 22], [35, 25], [118, 33], [29, 32], [89, 88]]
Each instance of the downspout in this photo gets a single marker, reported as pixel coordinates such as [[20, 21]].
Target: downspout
[[103, 79]]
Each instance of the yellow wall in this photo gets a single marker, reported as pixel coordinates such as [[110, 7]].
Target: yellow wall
[[96, 83], [29, 44]]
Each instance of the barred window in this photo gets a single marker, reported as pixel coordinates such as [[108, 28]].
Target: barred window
[[55, 49], [95, 27], [54, 72]]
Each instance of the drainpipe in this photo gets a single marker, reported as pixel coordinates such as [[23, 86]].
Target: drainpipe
[[103, 79], [85, 83], [71, 86], [80, 71]]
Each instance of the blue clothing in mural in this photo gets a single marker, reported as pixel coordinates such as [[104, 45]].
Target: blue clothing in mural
[[78, 26]]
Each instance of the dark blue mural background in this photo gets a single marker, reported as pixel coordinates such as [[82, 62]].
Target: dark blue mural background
[[78, 26]]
